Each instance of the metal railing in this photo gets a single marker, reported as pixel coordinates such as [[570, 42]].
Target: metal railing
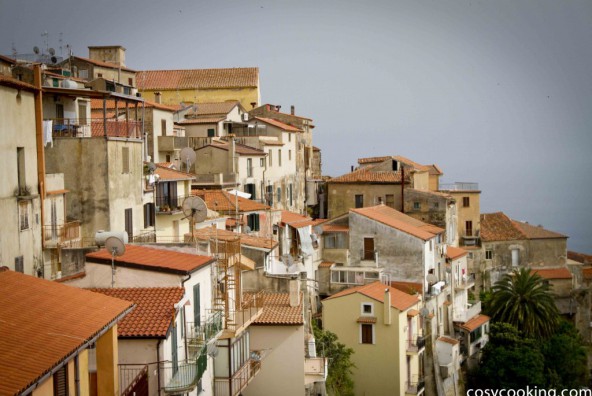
[[129, 377], [415, 386], [416, 343], [96, 127], [200, 334], [465, 282], [144, 237], [464, 315], [168, 203], [238, 382], [459, 186], [61, 233], [184, 376]]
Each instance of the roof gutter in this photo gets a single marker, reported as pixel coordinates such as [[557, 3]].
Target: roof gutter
[[84, 346]]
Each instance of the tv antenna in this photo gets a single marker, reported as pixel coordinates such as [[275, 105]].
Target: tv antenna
[[195, 209], [116, 247], [187, 156]]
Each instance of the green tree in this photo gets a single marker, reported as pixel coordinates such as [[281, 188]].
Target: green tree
[[565, 358], [525, 301], [339, 381], [510, 360]]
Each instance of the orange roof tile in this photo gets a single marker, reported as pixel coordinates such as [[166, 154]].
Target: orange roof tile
[[151, 258], [241, 149], [407, 287], [499, 227], [223, 201], [412, 312], [292, 217], [277, 309], [201, 120], [366, 319], [587, 273], [536, 232], [208, 233], [168, 174], [335, 228], [395, 219], [454, 253], [326, 264], [97, 104], [399, 300], [448, 340], [432, 169], [43, 323], [153, 313], [475, 322], [239, 77], [14, 83], [368, 175], [579, 257], [552, 273], [271, 108], [201, 109], [278, 124], [102, 64]]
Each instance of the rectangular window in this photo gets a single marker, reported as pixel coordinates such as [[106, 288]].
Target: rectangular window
[[60, 381], [269, 195], [249, 167], [20, 169], [24, 223], [279, 195], [149, 214], [19, 264], [125, 165], [129, 224], [289, 137], [163, 128], [289, 155], [211, 132], [367, 309], [416, 205], [366, 331], [251, 189], [99, 75], [359, 201], [279, 157], [488, 254], [390, 200], [196, 305], [368, 249], [262, 162], [270, 159], [130, 81], [253, 221], [290, 194], [468, 228], [83, 73], [466, 202]]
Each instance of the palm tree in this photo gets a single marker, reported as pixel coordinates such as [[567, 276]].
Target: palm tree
[[522, 299]]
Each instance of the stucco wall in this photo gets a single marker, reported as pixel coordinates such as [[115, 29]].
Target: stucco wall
[[341, 196], [176, 96]]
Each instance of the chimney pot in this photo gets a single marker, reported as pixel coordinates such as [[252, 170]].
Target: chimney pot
[[292, 110], [157, 96]]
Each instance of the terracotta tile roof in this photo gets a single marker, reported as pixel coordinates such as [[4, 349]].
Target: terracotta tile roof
[[223, 201], [14, 83], [278, 124], [368, 175], [239, 77], [435, 170], [225, 235], [8, 59], [219, 108], [432, 169], [241, 149], [587, 273], [475, 322], [101, 64], [326, 264], [373, 160], [201, 120], [448, 340], [169, 165], [271, 108], [536, 232], [413, 164], [499, 227], [153, 313], [43, 323], [412, 312], [149, 258], [399, 300], [552, 273], [366, 319], [297, 220], [395, 219], [168, 174], [579, 257], [407, 287], [97, 104], [454, 253], [277, 310], [335, 228]]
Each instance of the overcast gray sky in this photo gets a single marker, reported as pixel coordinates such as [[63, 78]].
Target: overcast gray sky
[[496, 92]]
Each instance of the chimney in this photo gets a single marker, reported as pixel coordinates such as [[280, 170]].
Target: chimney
[[292, 110], [387, 306], [294, 292], [157, 96], [352, 168], [253, 104]]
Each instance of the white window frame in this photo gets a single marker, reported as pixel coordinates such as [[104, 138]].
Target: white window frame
[[366, 304], [24, 215]]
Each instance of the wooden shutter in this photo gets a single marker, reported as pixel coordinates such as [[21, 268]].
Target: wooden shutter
[[196, 306], [60, 382], [129, 223], [368, 248]]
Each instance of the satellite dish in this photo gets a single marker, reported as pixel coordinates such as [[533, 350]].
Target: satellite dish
[[54, 59], [51, 51], [36, 50], [151, 167], [431, 278], [424, 312], [196, 210], [187, 156], [116, 247]]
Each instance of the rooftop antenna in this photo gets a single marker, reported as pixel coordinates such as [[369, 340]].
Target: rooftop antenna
[[196, 210], [187, 156], [116, 247]]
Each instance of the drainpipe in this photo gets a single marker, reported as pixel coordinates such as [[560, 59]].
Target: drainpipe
[[402, 189], [158, 363], [40, 147]]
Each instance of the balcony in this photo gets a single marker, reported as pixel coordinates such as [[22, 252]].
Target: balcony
[[234, 385], [237, 321], [215, 179], [171, 143], [133, 379], [466, 282], [416, 344], [200, 334], [55, 235], [415, 387], [198, 142], [169, 205], [459, 186], [183, 376], [315, 370], [96, 127], [464, 315]]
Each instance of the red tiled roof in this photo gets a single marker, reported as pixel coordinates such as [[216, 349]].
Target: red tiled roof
[[241, 149], [221, 108], [200, 120], [223, 201], [368, 175], [326, 264], [149, 258], [412, 312], [366, 319], [168, 174], [448, 340], [97, 104], [225, 235], [587, 273], [432, 169], [297, 220], [454, 252], [536, 232], [407, 287], [43, 323], [335, 228], [153, 313], [499, 227], [399, 300], [198, 78], [552, 273], [395, 219], [277, 309], [102, 64], [14, 83], [271, 108], [8, 59], [579, 257], [278, 124], [475, 322], [413, 164]]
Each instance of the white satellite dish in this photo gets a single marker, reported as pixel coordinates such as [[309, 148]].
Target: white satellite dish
[[194, 209], [431, 278], [51, 51], [116, 247], [187, 157]]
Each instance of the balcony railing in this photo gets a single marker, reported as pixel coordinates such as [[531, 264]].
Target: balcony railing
[[465, 282], [169, 204], [464, 315], [315, 369], [415, 386], [58, 234], [144, 237], [171, 143], [96, 127], [459, 186], [416, 344], [198, 142], [132, 378], [238, 382], [200, 334], [216, 179], [184, 376]]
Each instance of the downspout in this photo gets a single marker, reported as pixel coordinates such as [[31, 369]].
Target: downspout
[[158, 362], [402, 189], [40, 147]]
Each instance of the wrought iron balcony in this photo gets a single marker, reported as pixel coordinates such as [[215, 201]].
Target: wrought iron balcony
[[200, 334], [416, 344], [55, 235], [96, 127], [465, 282], [133, 379], [234, 385], [183, 376]]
